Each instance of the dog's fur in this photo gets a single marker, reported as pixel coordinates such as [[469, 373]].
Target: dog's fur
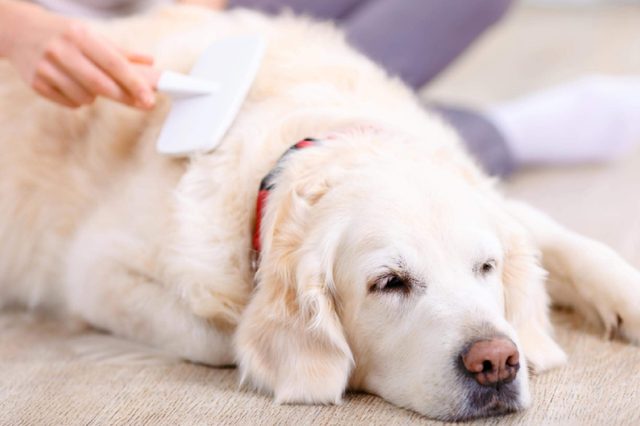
[[94, 223]]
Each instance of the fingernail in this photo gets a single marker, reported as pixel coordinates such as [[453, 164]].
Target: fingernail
[[147, 98]]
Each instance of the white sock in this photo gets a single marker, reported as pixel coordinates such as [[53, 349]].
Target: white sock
[[593, 119]]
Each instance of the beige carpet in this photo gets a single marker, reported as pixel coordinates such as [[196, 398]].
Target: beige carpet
[[54, 374], [49, 375]]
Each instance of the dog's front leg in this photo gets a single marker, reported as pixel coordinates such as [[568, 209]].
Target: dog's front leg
[[585, 274], [108, 284]]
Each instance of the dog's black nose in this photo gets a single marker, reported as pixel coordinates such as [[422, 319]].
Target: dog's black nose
[[492, 362]]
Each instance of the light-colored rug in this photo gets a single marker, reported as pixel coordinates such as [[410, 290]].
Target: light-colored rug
[[51, 373], [53, 376]]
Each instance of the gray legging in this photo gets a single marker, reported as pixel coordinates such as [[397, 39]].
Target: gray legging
[[416, 40]]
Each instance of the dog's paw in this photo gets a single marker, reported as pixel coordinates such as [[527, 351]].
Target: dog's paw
[[544, 359], [626, 326], [540, 350], [619, 308]]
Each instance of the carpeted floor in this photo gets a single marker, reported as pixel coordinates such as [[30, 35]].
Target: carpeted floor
[[52, 373], [57, 376]]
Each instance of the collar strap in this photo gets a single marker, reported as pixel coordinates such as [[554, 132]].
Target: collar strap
[[268, 183]]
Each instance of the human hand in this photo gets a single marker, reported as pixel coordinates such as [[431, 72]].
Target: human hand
[[211, 4], [66, 62]]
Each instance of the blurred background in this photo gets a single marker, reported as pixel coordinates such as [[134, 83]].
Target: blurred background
[[541, 43], [547, 42]]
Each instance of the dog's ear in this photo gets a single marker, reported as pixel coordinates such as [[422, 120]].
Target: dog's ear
[[527, 302], [290, 339]]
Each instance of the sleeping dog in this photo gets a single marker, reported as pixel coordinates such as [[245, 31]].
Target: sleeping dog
[[380, 257]]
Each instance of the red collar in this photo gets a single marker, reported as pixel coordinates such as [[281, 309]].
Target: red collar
[[268, 183]]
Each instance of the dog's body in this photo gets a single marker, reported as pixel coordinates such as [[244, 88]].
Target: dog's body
[[95, 223]]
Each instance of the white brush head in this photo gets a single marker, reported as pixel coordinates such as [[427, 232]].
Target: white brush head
[[201, 113]]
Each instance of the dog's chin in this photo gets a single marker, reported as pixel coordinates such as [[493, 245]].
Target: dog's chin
[[482, 401]]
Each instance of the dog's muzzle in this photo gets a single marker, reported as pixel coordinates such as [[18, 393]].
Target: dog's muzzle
[[489, 369]]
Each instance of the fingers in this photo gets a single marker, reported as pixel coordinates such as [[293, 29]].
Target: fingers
[[116, 65], [151, 75], [75, 65], [64, 84], [43, 88], [92, 78], [137, 57], [212, 4]]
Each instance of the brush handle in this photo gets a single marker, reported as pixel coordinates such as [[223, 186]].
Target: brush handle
[[180, 85]]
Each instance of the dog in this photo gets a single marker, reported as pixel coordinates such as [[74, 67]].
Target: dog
[[381, 258]]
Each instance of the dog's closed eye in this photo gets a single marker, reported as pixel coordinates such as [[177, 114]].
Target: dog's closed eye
[[391, 283]]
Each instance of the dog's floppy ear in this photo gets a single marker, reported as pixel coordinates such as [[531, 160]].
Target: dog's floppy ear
[[290, 340], [527, 302]]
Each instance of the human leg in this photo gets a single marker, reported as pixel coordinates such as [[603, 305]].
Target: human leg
[[416, 40]]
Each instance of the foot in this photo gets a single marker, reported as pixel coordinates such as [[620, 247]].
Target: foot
[[593, 119]]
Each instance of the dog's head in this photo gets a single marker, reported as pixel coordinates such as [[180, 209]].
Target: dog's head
[[391, 267]]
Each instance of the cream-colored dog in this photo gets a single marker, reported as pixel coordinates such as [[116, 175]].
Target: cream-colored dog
[[388, 261]]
